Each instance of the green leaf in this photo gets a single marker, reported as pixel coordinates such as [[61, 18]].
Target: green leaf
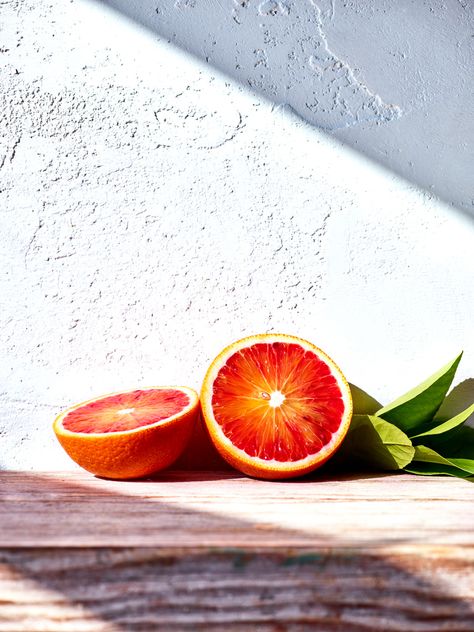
[[458, 443], [428, 455], [377, 443], [435, 469], [448, 425], [450, 453], [459, 398], [363, 403], [417, 407]]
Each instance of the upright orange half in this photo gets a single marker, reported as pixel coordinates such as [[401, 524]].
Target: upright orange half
[[130, 434], [275, 406]]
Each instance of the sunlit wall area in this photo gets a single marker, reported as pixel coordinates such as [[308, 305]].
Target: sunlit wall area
[[153, 210]]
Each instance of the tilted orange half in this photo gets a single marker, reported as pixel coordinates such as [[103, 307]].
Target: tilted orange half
[[275, 406], [131, 434]]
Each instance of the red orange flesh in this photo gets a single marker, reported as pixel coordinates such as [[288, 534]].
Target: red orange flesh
[[126, 411], [275, 406]]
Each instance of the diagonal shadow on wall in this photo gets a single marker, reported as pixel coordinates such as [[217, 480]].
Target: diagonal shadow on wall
[[391, 81]]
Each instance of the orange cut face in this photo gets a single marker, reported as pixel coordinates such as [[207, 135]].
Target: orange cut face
[[126, 411], [277, 401]]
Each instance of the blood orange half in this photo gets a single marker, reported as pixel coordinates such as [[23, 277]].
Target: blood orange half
[[131, 434], [275, 406]]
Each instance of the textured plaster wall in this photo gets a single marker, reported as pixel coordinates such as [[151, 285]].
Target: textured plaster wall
[[152, 210]]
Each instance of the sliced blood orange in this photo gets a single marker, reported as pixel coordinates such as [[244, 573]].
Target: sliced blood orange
[[131, 434], [275, 406]]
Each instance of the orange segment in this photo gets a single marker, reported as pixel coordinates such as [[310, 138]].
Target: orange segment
[[275, 405], [129, 435]]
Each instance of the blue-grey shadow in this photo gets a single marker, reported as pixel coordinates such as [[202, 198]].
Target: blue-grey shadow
[[385, 80]]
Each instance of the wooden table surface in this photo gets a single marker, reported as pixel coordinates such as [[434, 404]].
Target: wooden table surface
[[216, 551]]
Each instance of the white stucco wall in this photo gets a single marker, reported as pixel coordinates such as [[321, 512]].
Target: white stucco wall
[[152, 210]]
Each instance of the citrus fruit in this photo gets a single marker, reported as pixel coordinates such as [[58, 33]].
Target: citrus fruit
[[275, 405], [131, 434]]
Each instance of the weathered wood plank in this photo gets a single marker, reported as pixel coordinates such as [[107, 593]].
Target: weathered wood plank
[[211, 551], [160, 589], [212, 509]]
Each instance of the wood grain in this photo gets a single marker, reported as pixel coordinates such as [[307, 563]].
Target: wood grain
[[211, 551]]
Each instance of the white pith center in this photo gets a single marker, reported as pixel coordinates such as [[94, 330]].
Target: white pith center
[[276, 399], [125, 411]]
